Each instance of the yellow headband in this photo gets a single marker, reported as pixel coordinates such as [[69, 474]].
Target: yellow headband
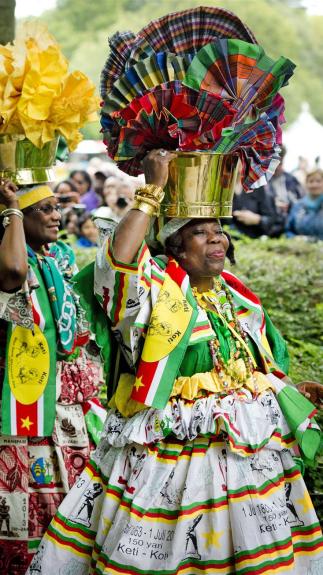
[[30, 196]]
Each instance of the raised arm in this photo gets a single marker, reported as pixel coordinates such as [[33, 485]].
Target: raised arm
[[132, 229], [13, 253]]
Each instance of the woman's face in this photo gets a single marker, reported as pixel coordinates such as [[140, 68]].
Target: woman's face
[[41, 222], [81, 183], [63, 189], [204, 248], [314, 184], [110, 194], [71, 224], [69, 197]]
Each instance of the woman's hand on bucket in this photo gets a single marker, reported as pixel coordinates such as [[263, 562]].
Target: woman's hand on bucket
[[155, 166]]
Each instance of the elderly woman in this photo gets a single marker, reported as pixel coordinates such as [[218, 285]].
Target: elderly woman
[[47, 380], [195, 470]]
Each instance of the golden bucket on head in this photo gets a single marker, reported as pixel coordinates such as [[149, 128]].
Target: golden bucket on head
[[25, 164], [200, 185]]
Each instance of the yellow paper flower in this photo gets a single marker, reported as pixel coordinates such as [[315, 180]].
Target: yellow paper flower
[[76, 106], [37, 95]]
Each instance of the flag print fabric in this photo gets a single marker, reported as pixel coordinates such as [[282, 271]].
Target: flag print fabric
[[51, 415], [206, 483]]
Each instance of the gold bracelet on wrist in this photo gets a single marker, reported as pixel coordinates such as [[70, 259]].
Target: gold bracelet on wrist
[[146, 200], [150, 190], [146, 208]]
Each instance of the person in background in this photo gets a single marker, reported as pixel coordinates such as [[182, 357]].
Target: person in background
[[126, 190], [83, 182], [110, 191], [71, 222], [301, 170], [254, 213], [284, 188], [87, 232], [99, 178], [306, 216], [66, 193]]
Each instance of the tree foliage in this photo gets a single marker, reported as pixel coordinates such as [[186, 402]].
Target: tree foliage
[[7, 21]]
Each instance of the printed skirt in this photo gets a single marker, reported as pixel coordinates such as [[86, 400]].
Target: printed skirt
[[209, 486], [37, 472]]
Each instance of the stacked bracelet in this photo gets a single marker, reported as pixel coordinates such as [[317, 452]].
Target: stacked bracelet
[[146, 207], [10, 212], [148, 198], [151, 191]]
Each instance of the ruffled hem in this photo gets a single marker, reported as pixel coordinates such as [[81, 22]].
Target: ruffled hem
[[248, 422]]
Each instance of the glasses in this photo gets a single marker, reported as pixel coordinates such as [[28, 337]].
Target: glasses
[[47, 210]]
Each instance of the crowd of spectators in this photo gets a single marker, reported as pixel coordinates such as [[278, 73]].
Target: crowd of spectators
[[290, 205], [84, 196]]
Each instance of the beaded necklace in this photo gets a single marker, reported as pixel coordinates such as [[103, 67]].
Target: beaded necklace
[[241, 364]]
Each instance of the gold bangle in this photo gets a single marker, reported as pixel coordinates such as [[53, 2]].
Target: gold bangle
[[146, 208], [152, 191], [146, 200]]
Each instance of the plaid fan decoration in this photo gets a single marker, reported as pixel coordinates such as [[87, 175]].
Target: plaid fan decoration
[[178, 33], [255, 143], [239, 72], [170, 116], [194, 80], [145, 75]]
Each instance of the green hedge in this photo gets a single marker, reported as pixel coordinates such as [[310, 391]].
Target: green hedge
[[288, 277]]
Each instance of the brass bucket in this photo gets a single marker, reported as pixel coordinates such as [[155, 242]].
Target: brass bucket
[[25, 164], [200, 185]]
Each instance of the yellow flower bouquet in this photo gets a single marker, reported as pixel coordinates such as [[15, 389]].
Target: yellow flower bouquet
[[39, 98]]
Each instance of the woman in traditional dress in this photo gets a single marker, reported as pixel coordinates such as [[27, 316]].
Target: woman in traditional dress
[[195, 471], [48, 382]]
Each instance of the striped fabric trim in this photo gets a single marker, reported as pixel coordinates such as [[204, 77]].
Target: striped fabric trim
[[143, 255], [270, 559]]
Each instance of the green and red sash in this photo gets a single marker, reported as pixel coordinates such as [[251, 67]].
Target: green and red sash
[[29, 388], [170, 329], [171, 324]]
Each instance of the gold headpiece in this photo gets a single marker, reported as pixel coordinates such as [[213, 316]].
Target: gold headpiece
[[200, 185]]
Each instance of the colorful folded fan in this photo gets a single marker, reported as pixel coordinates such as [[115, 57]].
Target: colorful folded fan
[[240, 72], [167, 117], [145, 75], [178, 33], [194, 80], [255, 142]]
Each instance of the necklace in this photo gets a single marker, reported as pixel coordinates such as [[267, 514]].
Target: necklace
[[241, 364]]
